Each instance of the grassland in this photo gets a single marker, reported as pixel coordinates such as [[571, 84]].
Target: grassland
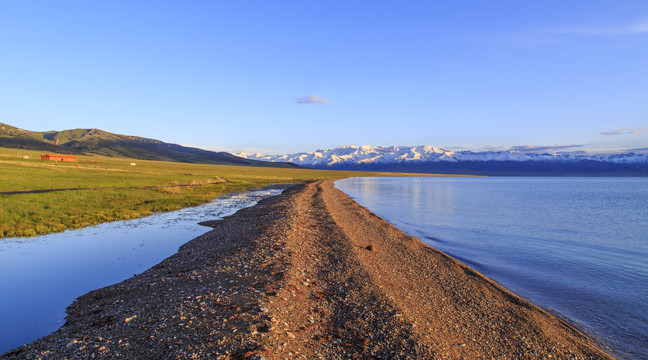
[[116, 190]]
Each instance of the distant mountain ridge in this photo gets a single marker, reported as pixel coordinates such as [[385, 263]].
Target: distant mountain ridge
[[428, 158], [99, 142]]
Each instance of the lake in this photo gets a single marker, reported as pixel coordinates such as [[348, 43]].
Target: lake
[[577, 247], [40, 276]]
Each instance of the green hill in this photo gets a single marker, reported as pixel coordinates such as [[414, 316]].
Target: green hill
[[99, 142]]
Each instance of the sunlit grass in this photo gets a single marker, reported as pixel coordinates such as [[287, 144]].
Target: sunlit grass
[[121, 190]]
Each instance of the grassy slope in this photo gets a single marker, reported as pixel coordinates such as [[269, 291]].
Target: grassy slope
[[39, 213], [99, 142]]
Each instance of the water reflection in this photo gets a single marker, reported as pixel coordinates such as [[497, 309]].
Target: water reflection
[[41, 276], [578, 246]]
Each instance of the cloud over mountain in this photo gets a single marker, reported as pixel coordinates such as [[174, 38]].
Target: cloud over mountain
[[554, 148], [624, 131]]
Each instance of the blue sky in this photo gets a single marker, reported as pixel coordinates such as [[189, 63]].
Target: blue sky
[[291, 76]]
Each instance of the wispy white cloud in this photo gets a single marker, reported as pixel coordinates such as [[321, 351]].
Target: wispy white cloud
[[619, 150], [544, 148], [623, 131], [489, 148], [561, 35], [630, 29], [311, 99], [618, 131]]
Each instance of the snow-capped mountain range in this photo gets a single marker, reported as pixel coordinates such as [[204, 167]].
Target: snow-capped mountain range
[[348, 155]]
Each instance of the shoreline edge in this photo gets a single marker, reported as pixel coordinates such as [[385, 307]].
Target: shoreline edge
[[308, 274]]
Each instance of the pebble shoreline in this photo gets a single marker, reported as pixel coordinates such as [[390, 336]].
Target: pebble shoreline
[[308, 274]]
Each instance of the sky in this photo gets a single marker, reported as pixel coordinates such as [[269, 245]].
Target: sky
[[296, 76]]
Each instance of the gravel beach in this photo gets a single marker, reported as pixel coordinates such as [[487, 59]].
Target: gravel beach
[[308, 274]]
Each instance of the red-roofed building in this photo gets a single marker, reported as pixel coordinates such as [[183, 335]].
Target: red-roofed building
[[52, 157]]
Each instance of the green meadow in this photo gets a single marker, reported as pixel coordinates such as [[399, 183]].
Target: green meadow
[[110, 189]]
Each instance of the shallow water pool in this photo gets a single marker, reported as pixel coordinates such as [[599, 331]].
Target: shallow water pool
[[41, 276]]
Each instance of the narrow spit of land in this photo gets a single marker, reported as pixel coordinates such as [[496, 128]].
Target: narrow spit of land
[[308, 274]]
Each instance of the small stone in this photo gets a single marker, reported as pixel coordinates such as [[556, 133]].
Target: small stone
[[290, 335], [71, 343], [129, 319], [371, 248]]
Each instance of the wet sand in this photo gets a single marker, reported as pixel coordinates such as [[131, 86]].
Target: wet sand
[[308, 274]]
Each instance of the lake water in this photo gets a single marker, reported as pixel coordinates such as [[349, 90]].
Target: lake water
[[41, 276], [575, 246]]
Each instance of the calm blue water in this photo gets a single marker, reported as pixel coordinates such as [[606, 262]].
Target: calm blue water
[[575, 246], [41, 276]]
